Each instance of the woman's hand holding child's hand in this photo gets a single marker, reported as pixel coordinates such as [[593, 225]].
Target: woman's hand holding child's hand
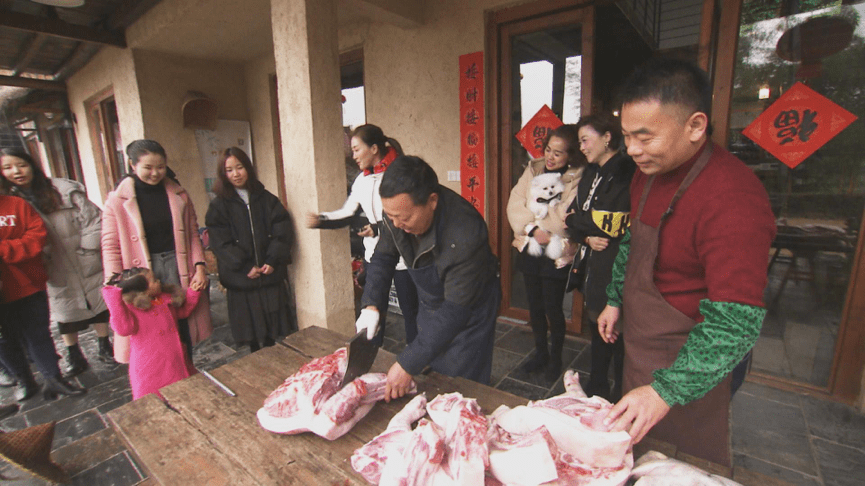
[[199, 280]]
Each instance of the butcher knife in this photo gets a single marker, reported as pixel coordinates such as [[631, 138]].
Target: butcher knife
[[361, 354]]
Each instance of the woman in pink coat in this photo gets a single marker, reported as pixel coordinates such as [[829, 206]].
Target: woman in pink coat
[[146, 314], [149, 221]]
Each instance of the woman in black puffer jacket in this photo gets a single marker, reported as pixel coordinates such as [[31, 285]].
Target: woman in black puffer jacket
[[250, 234], [598, 219]]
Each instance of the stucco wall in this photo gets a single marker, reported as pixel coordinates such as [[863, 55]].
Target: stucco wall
[[110, 68], [257, 77], [411, 78], [164, 81]]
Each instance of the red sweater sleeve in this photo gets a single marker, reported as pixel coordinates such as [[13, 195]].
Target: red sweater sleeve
[[29, 243], [734, 238]]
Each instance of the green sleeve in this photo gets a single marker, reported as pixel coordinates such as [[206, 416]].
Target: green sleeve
[[714, 347], [614, 289]]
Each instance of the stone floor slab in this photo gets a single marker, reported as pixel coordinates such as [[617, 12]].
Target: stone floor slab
[[840, 465], [772, 432]]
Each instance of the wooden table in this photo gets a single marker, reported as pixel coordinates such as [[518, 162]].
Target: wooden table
[[202, 436]]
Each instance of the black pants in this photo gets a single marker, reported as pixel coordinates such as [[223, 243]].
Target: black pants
[[406, 292], [602, 354], [25, 323], [546, 296]]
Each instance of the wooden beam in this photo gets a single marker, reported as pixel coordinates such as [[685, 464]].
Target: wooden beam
[[32, 83], [69, 64], [725, 62], [128, 12], [58, 28], [707, 35], [29, 53]]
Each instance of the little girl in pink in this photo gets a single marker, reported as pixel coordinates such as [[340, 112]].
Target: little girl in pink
[[146, 312]]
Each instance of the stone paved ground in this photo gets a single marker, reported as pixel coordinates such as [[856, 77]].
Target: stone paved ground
[[795, 438]]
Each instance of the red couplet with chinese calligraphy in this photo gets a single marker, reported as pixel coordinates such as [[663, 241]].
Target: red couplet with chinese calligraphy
[[472, 144], [797, 124], [532, 135]]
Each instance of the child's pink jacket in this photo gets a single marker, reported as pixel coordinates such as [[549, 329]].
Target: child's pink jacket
[[156, 358]]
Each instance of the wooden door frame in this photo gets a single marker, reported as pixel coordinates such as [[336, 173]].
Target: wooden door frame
[[848, 363], [500, 24], [99, 141]]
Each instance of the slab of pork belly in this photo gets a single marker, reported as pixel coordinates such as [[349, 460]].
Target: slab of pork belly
[[465, 428], [311, 400], [370, 460], [656, 469]]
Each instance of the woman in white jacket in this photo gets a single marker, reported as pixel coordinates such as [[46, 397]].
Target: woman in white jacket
[[373, 152], [72, 254]]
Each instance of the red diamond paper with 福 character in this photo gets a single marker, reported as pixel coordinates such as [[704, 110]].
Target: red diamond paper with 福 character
[[532, 135], [797, 124]]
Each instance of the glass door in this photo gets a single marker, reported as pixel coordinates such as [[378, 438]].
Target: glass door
[[543, 61], [818, 203]]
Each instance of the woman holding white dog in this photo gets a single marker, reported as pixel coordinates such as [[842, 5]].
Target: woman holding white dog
[[536, 211]]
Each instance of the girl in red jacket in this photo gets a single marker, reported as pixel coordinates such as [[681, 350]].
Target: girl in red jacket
[[25, 302], [145, 312]]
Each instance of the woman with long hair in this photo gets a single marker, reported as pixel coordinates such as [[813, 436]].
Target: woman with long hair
[[72, 254], [373, 152], [24, 300], [251, 235], [546, 274], [602, 196], [149, 221]]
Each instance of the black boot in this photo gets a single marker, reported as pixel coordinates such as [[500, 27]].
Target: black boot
[[60, 386], [106, 352], [6, 379], [554, 369], [75, 362], [542, 354], [538, 361], [557, 345], [27, 387]]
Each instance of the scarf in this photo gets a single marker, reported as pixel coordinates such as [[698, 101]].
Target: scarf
[[383, 163]]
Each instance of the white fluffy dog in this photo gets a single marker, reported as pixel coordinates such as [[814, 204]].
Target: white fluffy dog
[[546, 193]]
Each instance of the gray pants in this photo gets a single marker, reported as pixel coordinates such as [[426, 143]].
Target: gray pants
[[164, 267]]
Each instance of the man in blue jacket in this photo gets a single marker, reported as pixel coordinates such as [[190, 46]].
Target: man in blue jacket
[[445, 244]]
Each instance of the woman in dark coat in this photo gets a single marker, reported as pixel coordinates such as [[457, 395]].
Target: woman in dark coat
[[250, 233], [597, 219]]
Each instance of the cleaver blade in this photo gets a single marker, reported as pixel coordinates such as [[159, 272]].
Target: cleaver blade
[[361, 354]]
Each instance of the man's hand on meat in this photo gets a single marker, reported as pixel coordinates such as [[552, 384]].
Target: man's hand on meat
[[607, 323], [399, 382], [637, 412], [368, 319]]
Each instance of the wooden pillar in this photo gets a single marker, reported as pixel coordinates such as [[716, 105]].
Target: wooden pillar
[[310, 112]]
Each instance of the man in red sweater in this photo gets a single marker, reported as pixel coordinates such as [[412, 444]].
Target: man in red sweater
[[689, 278]]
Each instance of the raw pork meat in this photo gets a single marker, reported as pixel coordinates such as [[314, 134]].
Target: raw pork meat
[[465, 428], [311, 401], [656, 469], [566, 431], [421, 460], [450, 449], [370, 459]]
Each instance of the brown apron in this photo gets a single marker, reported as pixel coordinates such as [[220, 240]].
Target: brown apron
[[654, 333]]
